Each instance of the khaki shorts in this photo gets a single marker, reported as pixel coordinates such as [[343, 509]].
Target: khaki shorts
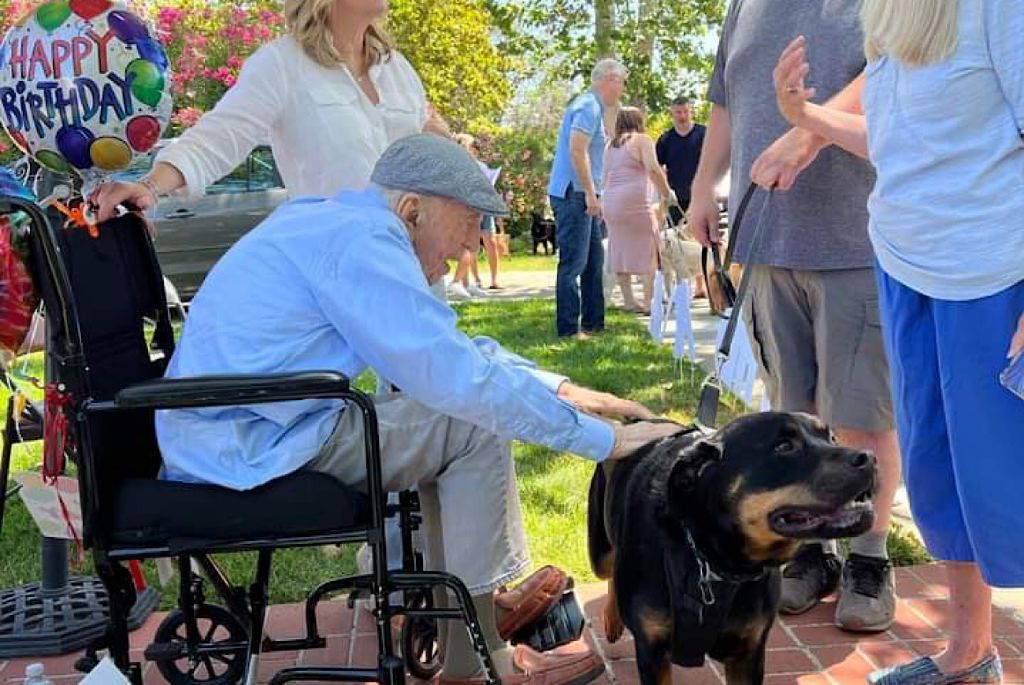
[[818, 339]]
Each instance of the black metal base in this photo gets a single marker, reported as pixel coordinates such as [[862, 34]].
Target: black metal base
[[36, 622]]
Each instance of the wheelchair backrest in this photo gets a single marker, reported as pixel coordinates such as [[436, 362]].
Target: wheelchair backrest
[[103, 295]]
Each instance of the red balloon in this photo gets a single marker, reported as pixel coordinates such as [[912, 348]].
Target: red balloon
[[20, 141], [143, 132], [90, 9]]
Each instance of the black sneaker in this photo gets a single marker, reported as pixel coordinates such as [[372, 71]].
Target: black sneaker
[[868, 602], [811, 576]]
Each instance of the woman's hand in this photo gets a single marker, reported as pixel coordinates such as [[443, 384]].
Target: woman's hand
[[108, 196], [1017, 342], [789, 76]]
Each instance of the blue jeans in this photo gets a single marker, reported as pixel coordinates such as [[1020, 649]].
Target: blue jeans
[[580, 265]]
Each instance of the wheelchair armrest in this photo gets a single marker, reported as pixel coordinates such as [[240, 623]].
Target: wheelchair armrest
[[219, 391]]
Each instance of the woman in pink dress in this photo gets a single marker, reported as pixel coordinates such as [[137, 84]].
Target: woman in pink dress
[[630, 167]]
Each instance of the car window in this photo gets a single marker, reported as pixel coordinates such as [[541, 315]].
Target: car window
[[235, 182], [263, 171]]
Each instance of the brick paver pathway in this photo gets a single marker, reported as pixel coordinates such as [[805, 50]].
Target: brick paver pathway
[[807, 649]]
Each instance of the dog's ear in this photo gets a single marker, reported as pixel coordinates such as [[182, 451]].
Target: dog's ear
[[690, 464]]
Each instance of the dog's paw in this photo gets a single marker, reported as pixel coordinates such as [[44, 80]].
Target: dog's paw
[[613, 627]]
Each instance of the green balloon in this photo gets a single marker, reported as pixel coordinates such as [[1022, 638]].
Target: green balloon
[[53, 161], [147, 81], [53, 14]]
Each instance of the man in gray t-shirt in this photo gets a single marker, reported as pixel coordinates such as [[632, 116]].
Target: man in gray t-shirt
[[813, 311]]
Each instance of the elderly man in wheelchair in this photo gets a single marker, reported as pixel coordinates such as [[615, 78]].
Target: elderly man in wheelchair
[[343, 283]]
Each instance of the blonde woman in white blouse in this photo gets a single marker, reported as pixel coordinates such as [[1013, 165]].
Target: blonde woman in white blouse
[[330, 96]]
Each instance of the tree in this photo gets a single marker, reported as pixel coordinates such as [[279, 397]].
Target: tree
[[662, 42], [466, 76]]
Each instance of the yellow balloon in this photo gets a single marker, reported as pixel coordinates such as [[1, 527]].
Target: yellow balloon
[[110, 154]]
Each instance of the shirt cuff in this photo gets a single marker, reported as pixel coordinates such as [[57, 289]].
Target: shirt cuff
[[595, 440], [551, 381]]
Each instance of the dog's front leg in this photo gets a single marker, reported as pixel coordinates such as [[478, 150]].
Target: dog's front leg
[[749, 669]]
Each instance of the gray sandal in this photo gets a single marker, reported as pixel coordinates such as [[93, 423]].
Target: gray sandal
[[923, 671]]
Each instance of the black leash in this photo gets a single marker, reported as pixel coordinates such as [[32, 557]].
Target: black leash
[[711, 390]]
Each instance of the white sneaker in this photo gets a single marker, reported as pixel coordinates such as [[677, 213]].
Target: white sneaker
[[477, 291], [457, 291]]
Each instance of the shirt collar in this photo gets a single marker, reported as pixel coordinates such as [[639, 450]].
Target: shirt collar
[[369, 197]]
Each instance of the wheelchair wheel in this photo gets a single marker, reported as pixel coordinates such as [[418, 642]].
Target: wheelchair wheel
[[420, 646], [217, 626]]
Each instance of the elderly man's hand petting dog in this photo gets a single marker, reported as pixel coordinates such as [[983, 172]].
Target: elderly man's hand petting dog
[[690, 532], [602, 403]]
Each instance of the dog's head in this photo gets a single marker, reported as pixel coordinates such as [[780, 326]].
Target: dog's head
[[765, 482]]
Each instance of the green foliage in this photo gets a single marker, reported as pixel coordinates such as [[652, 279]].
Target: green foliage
[[665, 45], [448, 41]]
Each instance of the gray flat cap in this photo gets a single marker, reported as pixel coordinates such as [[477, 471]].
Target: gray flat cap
[[430, 164]]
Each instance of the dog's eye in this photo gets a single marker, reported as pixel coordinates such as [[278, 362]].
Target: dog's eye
[[785, 447]]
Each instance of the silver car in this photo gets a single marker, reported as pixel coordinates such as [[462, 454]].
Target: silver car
[[193, 234]]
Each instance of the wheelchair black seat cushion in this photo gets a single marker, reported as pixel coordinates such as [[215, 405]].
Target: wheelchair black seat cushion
[[182, 515]]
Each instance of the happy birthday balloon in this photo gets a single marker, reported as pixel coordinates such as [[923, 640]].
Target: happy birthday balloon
[[84, 85]]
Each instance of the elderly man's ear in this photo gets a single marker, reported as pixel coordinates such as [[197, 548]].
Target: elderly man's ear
[[409, 208]]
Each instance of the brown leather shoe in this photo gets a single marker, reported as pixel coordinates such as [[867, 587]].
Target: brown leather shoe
[[530, 600], [563, 667]]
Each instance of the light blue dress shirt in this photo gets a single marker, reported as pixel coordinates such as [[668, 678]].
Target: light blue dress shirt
[[947, 211], [586, 115], [334, 284]]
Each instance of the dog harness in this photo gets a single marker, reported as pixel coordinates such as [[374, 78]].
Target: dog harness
[[700, 600]]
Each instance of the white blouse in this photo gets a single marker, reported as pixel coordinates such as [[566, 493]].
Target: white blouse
[[326, 134]]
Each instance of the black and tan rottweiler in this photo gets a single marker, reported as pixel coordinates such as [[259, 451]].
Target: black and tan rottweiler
[[690, 532]]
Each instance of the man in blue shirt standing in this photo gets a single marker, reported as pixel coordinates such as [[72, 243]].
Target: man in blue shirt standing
[[343, 283], [575, 190]]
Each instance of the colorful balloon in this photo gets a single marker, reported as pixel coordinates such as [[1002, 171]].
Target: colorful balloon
[[143, 132], [147, 81], [103, 77], [73, 142], [52, 14], [51, 160], [127, 27], [110, 154], [152, 51], [89, 9]]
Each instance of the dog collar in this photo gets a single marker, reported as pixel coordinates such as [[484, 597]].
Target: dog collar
[[709, 575]]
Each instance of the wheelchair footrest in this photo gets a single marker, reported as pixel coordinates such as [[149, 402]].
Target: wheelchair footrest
[[562, 624]]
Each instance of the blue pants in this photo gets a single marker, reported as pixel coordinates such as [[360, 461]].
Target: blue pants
[[579, 284], [961, 432]]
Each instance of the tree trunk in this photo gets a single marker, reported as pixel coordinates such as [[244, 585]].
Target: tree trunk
[[604, 25]]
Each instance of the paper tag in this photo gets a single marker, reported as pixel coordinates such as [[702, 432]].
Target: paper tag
[[43, 505], [105, 673]]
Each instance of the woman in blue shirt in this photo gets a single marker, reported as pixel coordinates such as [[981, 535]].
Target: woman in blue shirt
[[940, 113]]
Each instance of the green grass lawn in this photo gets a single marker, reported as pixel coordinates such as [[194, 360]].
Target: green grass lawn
[[517, 261], [553, 486]]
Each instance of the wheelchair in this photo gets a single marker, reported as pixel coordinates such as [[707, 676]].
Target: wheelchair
[[109, 339]]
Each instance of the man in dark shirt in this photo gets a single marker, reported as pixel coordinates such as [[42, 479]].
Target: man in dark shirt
[[679, 153]]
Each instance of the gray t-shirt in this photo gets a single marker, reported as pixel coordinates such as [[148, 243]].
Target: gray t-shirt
[[821, 223]]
